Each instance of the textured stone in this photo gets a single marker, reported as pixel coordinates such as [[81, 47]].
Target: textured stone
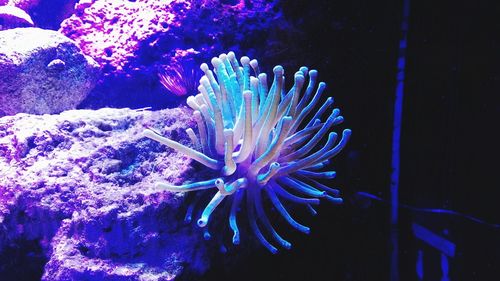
[[112, 31], [125, 35], [80, 184], [135, 41], [26, 5], [43, 71], [12, 17]]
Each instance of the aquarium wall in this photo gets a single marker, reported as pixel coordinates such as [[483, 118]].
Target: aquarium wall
[[249, 140]]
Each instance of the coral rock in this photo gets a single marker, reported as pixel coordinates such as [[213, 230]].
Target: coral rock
[[134, 41], [111, 31], [124, 35], [80, 185], [43, 71]]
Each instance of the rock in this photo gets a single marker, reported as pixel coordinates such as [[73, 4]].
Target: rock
[[166, 31], [111, 31], [173, 36], [80, 186], [12, 17], [25, 5], [43, 71], [46, 14]]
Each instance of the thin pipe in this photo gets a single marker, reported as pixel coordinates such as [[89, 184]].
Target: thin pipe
[[396, 138]]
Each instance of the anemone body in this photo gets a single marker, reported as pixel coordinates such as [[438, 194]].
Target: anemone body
[[256, 137]]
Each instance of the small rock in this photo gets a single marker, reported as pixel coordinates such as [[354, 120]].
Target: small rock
[[56, 65], [43, 72]]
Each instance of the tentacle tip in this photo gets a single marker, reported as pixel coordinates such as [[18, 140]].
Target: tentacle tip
[[219, 183], [204, 78], [254, 63], [338, 120], [245, 60], [204, 67], [236, 239], [247, 94], [216, 62], [275, 165], [299, 78], [162, 185], [148, 133], [335, 200], [333, 135], [197, 115], [331, 174], [202, 222], [254, 81], [207, 236], [278, 70], [287, 245]]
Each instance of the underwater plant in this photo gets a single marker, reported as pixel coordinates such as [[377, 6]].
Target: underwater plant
[[257, 138], [179, 78]]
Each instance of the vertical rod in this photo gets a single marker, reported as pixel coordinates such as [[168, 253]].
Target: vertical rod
[[396, 136]]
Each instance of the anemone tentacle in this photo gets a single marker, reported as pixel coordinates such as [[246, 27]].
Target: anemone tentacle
[[257, 138]]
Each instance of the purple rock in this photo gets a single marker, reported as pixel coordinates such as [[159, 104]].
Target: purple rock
[[111, 31], [25, 5], [135, 41], [127, 36], [81, 183], [43, 71], [12, 17]]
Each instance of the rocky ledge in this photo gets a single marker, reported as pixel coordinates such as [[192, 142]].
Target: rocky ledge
[[77, 194]]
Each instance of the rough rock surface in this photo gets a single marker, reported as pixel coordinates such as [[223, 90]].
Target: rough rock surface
[[128, 35], [78, 187], [25, 5], [12, 17], [43, 71], [111, 31], [134, 41]]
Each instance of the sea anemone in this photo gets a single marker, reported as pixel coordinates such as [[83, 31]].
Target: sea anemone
[[259, 141], [179, 78]]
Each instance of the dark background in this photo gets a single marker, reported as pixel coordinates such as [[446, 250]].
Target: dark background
[[449, 143]]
